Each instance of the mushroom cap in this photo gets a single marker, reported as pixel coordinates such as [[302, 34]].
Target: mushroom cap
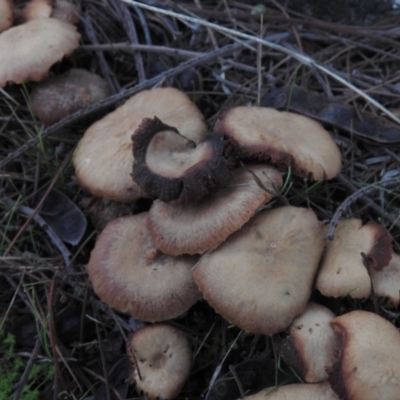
[[103, 160], [386, 282], [6, 14], [261, 277], [196, 228], [36, 46], [283, 138], [369, 364], [36, 9], [57, 97], [342, 270], [162, 360], [132, 276], [169, 166], [312, 347], [296, 391]]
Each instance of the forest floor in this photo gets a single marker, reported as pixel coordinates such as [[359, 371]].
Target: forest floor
[[57, 338]]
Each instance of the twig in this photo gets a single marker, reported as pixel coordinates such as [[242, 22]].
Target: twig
[[132, 35], [39, 206], [105, 68], [354, 197], [29, 212], [219, 367], [303, 58], [125, 46], [25, 376]]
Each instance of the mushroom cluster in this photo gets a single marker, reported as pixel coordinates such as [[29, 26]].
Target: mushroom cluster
[[208, 231]]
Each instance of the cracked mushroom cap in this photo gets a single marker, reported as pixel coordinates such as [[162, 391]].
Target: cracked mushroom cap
[[36, 46], [282, 138], [170, 167], [343, 271], [6, 14], [161, 361], [296, 391], [57, 97], [369, 364], [103, 160], [312, 347], [386, 282], [196, 228], [261, 277], [132, 276]]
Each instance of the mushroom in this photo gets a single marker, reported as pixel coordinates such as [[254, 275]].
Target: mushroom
[[169, 166], [312, 347], [36, 46], [261, 277], [198, 227], [36, 9], [6, 14], [282, 138], [57, 97], [296, 391], [132, 276], [103, 159], [386, 282], [161, 359], [342, 270], [369, 364]]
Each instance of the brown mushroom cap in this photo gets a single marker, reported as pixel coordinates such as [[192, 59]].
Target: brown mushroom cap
[[312, 347], [296, 391], [343, 271], [261, 277], [36, 9], [369, 364], [162, 360], [132, 276], [6, 14], [36, 46], [103, 160], [196, 228], [283, 138], [57, 97], [386, 282], [170, 167]]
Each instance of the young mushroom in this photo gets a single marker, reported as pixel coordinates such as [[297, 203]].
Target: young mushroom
[[103, 159], [355, 248], [312, 347], [57, 97], [195, 228], [132, 276], [170, 167], [296, 391], [282, 138], [36, 9], [6, 14], [36, 46], [386, 282], [161, 359], [369, 364], [261, 277]]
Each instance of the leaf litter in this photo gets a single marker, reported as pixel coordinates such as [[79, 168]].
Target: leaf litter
[[222, 54]]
